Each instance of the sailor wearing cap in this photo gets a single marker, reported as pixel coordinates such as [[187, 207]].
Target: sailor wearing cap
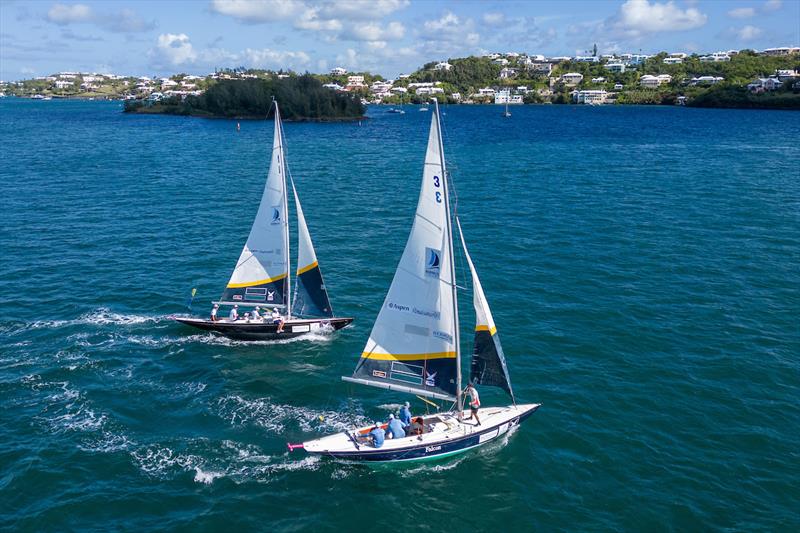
[[234, 314], [394, 428], [254, 315], [214, 313], [405, 414], [277, 319], [377, 435]]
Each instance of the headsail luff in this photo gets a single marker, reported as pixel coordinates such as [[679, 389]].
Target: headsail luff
[[412, 346], [488, 365], [261, 273], [310, 294]]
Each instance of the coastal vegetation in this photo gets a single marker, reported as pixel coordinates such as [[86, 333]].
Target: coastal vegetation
[[300, 97], [691, 80]]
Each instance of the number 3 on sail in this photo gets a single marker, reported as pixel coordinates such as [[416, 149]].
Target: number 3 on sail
[[262, 279], [414, 346]]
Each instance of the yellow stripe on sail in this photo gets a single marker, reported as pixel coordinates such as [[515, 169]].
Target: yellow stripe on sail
[[480, 327], [255, 283], [307, 268], [407, 356]]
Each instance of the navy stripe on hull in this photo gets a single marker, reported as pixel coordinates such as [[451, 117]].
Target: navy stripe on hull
[[268, 294], [311, 296], [244, 331], [429, 451]]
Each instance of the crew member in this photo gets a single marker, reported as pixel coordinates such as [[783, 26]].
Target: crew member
[[474, 403]]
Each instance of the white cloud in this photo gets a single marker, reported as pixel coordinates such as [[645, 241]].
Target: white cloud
[[742, 13], [772, 5], [373, 31], [644, 17], [124, 21], [176, 50], [310, 20], [493, 19], [360, 9], [451, 29], [67, 14], [254, 11], [749, 33]]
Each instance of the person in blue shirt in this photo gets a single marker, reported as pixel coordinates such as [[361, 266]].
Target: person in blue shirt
[[394, 428], [405, 415], [377, 435]]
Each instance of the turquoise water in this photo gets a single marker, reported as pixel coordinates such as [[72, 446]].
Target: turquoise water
[[642, 265]]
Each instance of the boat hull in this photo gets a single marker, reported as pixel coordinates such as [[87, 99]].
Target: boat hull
[[256, 331], [459, 438]]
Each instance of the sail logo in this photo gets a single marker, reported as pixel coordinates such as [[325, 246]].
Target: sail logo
[[433, 262], [443, 335], [430, 379], [379, 374], [276, 216], [270, 295]]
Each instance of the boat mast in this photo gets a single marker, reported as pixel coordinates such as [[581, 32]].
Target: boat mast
[[445, 179], [284, 168]]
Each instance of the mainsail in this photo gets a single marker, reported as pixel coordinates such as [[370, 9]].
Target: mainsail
[[413, 344], [310, 295], [261, 274], [488, 362]]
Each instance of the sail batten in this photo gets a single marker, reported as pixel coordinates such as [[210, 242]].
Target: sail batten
[[413, 343], [261, 273]]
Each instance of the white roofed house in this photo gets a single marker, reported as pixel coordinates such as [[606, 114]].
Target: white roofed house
[[456, 96], [618, 86], [764, 84], [673, 60], [599, 79], [539, 67], [506, 73], [651, 82], [781, 51], [355, 83], [706, 80], [338, 71], [786, 74], [571, 78], [505, 97], [444, 65], [501, 61], [715, 57], [167, 83], [590, 96], [333, 86], [64, 84], [399, 90], [615, 67], [421, 91]]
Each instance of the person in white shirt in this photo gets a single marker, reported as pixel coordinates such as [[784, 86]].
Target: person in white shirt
[[234, 314], [254, 315], [474, 403], [277, 319], [214, 313]]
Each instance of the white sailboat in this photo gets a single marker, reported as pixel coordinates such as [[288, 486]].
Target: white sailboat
[[414, 346], [262, 277]]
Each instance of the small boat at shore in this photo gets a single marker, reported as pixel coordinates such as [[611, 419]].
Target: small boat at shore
[[262, 277], [414, 346]]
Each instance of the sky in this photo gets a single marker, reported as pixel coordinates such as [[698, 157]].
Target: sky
[[387, 37]]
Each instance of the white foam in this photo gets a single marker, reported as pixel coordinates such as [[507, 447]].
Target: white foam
[[205, 477], [274, 417], [99, 317]]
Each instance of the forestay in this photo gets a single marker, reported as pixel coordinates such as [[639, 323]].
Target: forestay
[[488, 365], [261, 274], [310, 295], [412, 345]]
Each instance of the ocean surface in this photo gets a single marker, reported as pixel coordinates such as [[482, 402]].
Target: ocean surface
[[642, 264]]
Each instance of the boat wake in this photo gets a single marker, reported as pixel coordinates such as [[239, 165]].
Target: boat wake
[[101, 316], [278, 418], [235, 461]]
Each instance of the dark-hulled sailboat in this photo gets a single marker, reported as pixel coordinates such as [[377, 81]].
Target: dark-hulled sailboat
[[262, 274], [414, 346]]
